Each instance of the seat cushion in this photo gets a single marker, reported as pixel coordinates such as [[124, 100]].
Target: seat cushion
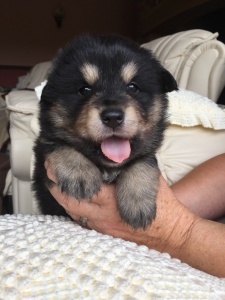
[[184, 148]]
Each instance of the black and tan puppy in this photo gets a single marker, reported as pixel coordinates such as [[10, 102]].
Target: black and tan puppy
[[102, 118]]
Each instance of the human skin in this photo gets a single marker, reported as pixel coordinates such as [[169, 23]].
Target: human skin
[[175, 230], [203, 189]]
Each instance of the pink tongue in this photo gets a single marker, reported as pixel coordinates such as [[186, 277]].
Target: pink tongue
[[116, 149]]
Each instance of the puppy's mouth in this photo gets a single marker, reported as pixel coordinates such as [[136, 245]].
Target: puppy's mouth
[[116, 149]]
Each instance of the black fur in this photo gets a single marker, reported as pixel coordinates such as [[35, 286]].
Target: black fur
[[69, 103]]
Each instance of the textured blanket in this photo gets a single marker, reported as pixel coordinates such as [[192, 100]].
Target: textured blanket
[[188, 109], [43, 257]]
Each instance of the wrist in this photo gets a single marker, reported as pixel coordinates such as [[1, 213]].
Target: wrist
[[172, 228]]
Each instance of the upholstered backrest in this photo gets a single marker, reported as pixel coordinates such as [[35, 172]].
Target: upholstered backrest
[[195, 58], [37, 74]]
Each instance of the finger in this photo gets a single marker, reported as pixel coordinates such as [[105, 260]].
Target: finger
[[74, 207], [106, 195], [49, 172]]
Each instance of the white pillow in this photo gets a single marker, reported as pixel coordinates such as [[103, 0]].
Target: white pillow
[[184, 148], [189, 109]]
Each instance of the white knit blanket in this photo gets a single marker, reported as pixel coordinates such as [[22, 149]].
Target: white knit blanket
[[43, 257], [190, 109]]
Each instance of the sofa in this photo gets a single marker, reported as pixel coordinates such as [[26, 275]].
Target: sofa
[[50, 257], [197, 61]]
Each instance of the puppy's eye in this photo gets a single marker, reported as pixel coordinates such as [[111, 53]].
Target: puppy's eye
[[132, 87], [84, 91]]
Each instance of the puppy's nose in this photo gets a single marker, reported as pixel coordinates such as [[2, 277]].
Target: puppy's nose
[[112, 117]]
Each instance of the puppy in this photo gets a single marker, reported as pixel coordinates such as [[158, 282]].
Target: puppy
[[102, 119]]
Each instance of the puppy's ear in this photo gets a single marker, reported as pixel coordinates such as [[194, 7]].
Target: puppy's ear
[[169, 84]]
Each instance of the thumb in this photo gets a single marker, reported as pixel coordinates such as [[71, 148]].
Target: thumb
[[49, 171]]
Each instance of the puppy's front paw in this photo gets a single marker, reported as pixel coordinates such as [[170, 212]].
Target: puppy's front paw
[[75, 174], [83, 183], [136, 194]]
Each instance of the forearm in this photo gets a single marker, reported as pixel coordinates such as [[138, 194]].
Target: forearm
[[205, 248], [203, 189], [195, 241]]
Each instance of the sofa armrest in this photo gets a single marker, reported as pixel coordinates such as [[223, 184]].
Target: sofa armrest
[[23, 110], [195, 58], [23, 107]]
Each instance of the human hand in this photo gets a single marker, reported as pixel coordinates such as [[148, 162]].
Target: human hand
[[102, 214], [175, 229]]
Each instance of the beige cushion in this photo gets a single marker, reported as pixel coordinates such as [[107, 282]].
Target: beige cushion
[[184, 148]]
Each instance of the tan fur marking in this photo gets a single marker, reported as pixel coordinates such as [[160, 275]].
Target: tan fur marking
[[90, 73], [89, 124], [132, 121], [58, 115], [128, 72], [155, 112]]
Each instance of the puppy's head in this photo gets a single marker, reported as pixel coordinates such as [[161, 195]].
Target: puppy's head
[[107, 96]]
